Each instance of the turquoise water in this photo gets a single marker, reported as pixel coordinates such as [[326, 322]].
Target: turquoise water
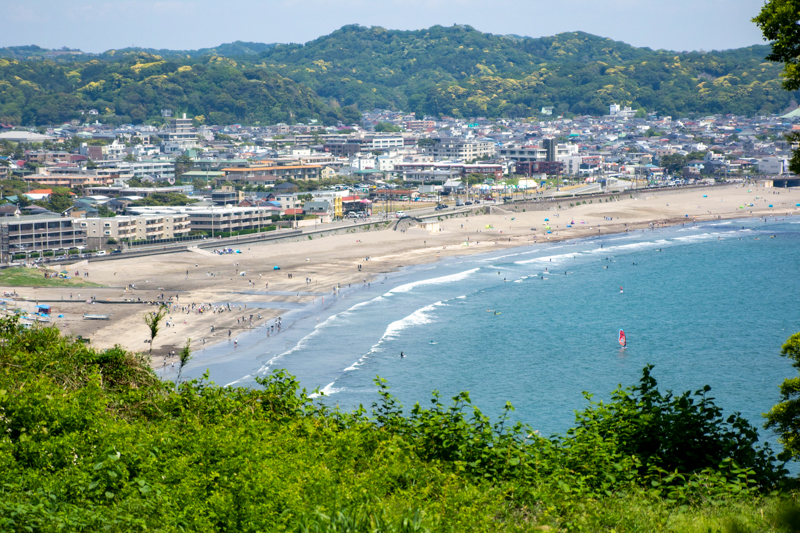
[[706, 304]]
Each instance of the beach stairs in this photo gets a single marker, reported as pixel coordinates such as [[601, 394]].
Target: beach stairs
[[405, 223]]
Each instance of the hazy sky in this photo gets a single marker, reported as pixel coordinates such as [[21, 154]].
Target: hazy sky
[[99, 25]]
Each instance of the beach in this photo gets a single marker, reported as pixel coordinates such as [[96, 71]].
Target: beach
[[242, 291]]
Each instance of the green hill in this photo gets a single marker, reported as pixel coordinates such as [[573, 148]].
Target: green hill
[[134, 87], [460, 71], [454, 70]]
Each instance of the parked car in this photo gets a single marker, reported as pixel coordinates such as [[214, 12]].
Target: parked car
[[101, 252], [113, 252], [400, 214], [467, 203]]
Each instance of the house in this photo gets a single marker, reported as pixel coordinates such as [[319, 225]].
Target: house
[[319, 208], [285, 187], [327, 173], [119, 205], [9, 210]]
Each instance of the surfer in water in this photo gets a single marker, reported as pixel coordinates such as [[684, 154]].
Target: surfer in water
[[620, 290], [402, 354]]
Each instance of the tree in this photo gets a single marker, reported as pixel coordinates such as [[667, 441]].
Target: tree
[[183, 357], [778, 22], [59, 202], [784, 418], [153, 321], [672, 162], [90, 165], [183, 163], [387, 127]]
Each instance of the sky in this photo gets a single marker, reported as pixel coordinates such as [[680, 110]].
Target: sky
[[99, 25]]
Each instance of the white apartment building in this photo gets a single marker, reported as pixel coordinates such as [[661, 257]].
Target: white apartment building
[[180, 136], [467, 151], [134, 228], [156, 168], [382, 143]]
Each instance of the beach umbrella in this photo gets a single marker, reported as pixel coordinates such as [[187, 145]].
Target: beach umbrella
[[276, 267], [547, 220], [770, 205], [705, 196]]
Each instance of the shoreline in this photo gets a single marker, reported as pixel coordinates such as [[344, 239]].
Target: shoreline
[[310, 269]]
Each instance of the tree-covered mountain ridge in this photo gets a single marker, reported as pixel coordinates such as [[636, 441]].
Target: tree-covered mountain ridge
[[455, 71]]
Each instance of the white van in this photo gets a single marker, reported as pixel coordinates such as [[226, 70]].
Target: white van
[[352, 214]]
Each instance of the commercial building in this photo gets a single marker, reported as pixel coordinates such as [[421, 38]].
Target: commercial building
[[39, 234]]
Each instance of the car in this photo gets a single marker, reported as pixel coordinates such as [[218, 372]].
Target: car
[[113, 252], [400, 214], [467, 203], [507, 198], [352, 214], [101, 252]]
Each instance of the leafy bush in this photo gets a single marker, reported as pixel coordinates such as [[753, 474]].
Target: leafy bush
[[93, 440]]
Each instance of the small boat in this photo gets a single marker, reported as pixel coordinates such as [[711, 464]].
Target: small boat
[[96, 317], [622, 340]]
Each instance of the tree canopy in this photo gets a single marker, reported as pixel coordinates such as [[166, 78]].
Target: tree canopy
[[455, 71]]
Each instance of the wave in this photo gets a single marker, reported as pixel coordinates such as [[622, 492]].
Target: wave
[[432, 281], [627, 247], [417, 318], [327, 390], [547, 259], [363, 304]]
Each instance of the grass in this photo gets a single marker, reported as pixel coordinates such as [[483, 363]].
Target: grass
[[34, 277]]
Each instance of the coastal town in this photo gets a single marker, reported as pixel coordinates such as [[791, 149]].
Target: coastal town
[[92, 188]]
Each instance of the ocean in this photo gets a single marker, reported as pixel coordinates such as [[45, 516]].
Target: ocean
[[536, 326]]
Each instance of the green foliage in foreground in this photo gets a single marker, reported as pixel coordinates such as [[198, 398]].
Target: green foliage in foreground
[[95, 441], [785, 417]]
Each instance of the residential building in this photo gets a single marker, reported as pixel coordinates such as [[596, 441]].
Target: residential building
[[455, 148], [38, 234], [134, 228], [180, 136], [70, 180]]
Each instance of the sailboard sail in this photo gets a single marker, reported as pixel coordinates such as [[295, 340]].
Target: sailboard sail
[[622, 341]]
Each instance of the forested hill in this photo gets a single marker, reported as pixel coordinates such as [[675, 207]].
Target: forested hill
[[453, 70]]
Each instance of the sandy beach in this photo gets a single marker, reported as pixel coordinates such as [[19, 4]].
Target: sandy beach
[[310, 270]]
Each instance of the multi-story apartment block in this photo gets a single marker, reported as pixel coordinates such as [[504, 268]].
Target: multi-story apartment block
[[134, 228], [39, 234], [453, 148], [180, 135]]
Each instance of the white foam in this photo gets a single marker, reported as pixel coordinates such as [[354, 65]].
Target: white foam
[[364, 304], [238, 380], [327, 390], [627, 247], [432, 281], [695, 238], [546, 259], [417, 318], [460, 297]]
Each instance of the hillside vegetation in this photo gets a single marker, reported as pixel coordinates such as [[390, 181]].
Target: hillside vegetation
[[456, 71], [93, 441]]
